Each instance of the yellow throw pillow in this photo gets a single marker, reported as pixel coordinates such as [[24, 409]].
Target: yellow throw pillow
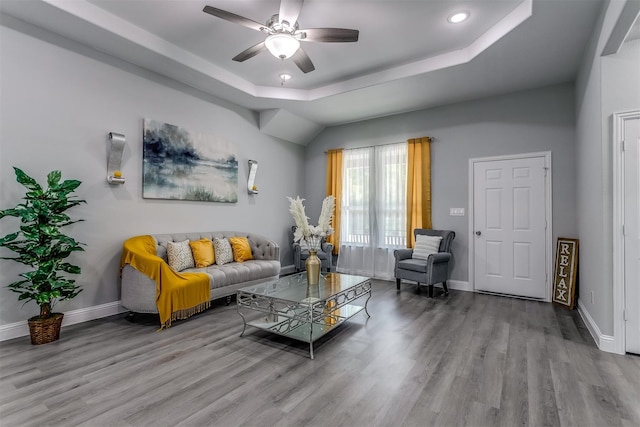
[[241, 249], [202, 252]]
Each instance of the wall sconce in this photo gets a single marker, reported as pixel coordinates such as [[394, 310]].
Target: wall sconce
[[253, 168], [114, 163]]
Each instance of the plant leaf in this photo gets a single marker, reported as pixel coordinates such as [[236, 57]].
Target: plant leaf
[[69, 185], [10, 212], [54, 178], [8, 238], [26, 180]]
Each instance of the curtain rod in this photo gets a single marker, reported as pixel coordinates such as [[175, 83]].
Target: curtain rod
[[431, 139]]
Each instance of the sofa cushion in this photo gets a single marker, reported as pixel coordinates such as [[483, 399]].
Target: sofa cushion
[[241, 248], [223, 251], [240, 272], [202, 251], [179, 255], [418, 265]]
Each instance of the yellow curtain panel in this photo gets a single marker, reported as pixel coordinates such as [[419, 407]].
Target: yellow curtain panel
[[418, 186], [334, 188]]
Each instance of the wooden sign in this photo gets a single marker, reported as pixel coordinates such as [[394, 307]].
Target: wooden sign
[[566, 272]]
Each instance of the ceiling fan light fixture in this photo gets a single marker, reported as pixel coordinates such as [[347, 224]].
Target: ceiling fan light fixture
[[458, 17], [284, 77], [282, 45]]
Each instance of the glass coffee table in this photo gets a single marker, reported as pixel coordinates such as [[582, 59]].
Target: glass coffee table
[[300, 311]]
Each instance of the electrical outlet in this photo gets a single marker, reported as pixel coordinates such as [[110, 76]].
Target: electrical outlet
[[591, 297], [456, 211]]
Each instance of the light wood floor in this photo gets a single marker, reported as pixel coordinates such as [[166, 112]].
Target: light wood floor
[[466, 359]]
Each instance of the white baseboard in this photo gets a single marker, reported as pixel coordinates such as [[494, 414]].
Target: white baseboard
[[604, 342], [21, 329], [457, 285], [460, 285]]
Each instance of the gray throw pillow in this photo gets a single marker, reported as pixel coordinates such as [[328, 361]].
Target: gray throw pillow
[[179, 255], [425, 246], [223, 251]]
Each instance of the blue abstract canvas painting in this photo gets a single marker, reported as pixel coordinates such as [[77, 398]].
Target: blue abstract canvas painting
[[183, 165]]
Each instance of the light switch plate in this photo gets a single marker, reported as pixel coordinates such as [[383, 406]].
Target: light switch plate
[[456, 211]]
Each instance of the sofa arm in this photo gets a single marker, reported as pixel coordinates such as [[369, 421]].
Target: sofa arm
[[327, 247], [439, 257], [137, 291], [401, 254]]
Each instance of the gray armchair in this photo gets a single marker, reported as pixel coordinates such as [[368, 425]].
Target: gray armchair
[[300, 255], [435, 269]]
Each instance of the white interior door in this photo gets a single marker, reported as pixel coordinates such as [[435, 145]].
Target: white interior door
[[631, 159], [509, 225]]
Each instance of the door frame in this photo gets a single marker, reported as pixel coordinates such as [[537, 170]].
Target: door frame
[[619, 331], [548, 214]]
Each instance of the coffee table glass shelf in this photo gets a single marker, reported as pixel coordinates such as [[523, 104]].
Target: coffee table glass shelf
[[300, 311]]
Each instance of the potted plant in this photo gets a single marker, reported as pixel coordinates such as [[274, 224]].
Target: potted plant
[[40, 245]]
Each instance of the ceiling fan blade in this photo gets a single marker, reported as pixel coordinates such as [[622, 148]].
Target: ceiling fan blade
[[290, 10], [232, 17], [250, 53], [330, 35], [302, 60]]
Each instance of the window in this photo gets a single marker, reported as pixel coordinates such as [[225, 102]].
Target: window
[[355, 197], [373, 223]]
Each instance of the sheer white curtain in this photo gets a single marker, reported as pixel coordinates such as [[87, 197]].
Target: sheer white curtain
[[373, 221]]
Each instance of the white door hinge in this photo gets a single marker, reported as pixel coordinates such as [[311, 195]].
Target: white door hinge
[[622, 145], [624, 315]]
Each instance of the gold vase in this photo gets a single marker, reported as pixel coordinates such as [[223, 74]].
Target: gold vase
[[312, 264]]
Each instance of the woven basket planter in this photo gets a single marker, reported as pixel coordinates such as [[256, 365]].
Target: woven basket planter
[[44, 331]]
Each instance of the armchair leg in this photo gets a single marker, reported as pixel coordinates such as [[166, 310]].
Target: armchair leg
[[398, 284], [430, 291], [446, 289]]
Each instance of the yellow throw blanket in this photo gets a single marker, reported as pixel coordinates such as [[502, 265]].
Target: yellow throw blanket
[[178, 295]]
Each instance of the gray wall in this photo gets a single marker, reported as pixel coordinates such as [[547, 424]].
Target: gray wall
[[525, 122], [604, 86], [57, 109]]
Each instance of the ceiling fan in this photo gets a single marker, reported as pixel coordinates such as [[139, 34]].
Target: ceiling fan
[[284, 35]]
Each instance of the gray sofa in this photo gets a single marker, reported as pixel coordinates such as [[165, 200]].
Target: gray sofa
[[138, 292]]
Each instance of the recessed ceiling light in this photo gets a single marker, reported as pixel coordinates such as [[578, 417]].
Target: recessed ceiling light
[[457, 17]]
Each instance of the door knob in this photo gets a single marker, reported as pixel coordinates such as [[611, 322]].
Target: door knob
[[478, 233]]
